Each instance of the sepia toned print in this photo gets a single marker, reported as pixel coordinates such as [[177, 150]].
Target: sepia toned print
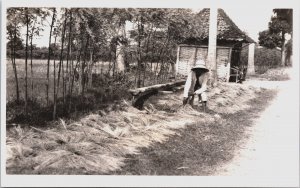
[[148, 91]]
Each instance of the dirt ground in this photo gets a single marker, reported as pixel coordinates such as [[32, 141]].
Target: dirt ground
[[237, 137], [268, 155], [272, 151], [199, 149]]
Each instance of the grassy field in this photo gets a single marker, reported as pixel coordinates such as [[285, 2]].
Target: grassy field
[[104, 91], [39, 78]]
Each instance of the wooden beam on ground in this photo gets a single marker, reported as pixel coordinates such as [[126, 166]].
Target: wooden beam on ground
[[140, 95], [137, 91], [165, 92]]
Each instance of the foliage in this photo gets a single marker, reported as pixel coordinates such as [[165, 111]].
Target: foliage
[[280, 24], [82, 37], [269, 40], [264, 58]]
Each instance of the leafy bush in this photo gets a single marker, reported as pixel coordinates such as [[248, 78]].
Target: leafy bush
[[109, 88], [105, 90], [264, 58]]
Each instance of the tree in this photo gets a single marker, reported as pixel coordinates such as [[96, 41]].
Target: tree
[[49, 53], [269, 40], [60, 65], [113, 22], [37, 16], [68, 68], [55, 33], [281, 23], [27, 20], [14, 20], [17, 42], [157, 33]]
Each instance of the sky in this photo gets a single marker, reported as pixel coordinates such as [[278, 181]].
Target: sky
[[247, 19]]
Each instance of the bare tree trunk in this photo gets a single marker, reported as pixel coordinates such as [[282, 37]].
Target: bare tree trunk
[[63, 80], [83, 77], [12, 62], [114, 66], [139, 65], [109, 66], [60, 63], [162, 52], [152, 60], [161, 71], [31, 70], [139, 59], [144, 73], [101, 69], [49, 54], [54, 81], [146, 52], [73, 77], [283, 49], [90, 70], [167, 71], [70, 75], [68, 52], [14, 65], [26, 62], [80, 71]]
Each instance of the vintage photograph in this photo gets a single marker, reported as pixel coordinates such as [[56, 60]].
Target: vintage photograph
[[150, 91]]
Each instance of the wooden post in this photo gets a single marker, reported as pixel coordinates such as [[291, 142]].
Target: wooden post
[[251, 68], [212, 46], [120, 61], [229, 65]]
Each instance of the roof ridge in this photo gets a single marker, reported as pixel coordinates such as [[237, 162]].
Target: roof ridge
[[235, 31]]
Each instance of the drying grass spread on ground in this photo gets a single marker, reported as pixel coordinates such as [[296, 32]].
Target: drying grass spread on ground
[[274, 74], [100, 142]]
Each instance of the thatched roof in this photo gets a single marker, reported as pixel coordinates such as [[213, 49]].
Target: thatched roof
[[227, 30]]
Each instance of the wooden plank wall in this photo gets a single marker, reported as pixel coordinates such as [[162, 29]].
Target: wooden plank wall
[[223, 64], [188, 55], [186, 59]]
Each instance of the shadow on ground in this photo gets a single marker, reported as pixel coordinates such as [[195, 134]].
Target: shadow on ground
[[198, 149]]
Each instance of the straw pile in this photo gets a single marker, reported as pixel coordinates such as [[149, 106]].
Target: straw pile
[[99, 142], [275, 74]]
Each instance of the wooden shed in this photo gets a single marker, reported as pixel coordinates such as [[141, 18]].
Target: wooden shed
[[230, 41]]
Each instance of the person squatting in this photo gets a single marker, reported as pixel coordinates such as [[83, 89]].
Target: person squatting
[[196, 84]]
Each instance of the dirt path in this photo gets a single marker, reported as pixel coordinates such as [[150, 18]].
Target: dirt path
[[271, 154]]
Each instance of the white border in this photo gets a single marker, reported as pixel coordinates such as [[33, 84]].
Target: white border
[[134, 181]]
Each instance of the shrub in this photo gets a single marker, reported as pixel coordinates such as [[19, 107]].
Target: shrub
[[109, 88], [264, 58]]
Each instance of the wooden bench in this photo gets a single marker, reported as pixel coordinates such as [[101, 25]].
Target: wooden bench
[[140, 95]]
